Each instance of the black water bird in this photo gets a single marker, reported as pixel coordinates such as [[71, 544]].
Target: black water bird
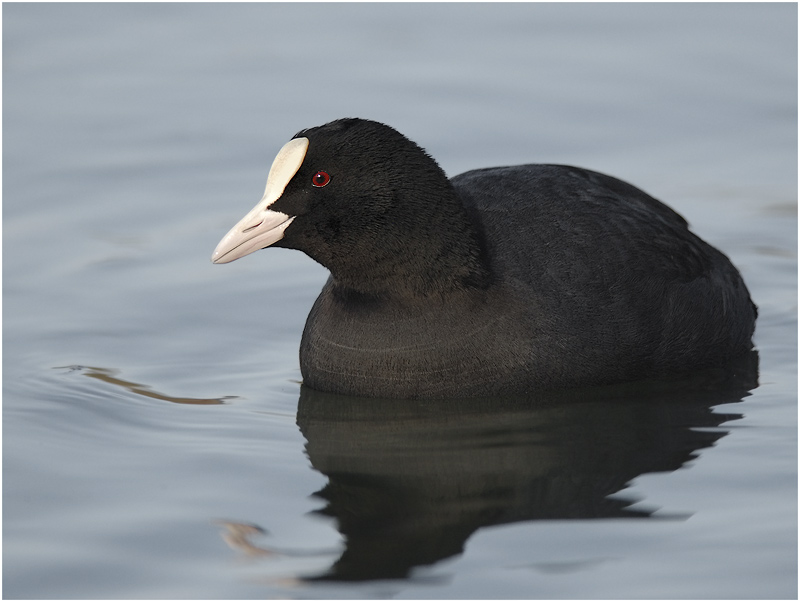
[[499, 281]]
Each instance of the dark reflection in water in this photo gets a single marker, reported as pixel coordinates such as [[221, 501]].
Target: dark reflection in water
[[409, 482]]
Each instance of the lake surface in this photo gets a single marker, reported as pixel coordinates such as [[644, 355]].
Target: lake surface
[[157, 442]]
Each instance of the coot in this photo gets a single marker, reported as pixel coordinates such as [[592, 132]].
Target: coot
[[499, 281]]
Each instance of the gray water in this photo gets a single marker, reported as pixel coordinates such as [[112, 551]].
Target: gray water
[[157, 442]]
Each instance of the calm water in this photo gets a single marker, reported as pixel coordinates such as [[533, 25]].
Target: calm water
[[156, 439]]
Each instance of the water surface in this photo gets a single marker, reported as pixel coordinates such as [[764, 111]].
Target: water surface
[[157, 442]]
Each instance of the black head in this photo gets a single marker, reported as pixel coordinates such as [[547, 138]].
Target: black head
[[371, 206]]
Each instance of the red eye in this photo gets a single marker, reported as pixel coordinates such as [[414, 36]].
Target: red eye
[[320, 179]]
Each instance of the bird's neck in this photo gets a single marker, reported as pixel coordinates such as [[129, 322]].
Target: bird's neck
[[418, 264]]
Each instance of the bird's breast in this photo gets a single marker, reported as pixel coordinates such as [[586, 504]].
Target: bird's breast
[[384, 350]]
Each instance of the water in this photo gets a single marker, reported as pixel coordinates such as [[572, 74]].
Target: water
[[157, 442]]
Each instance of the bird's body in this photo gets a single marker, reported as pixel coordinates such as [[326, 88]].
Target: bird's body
[[499, 281]]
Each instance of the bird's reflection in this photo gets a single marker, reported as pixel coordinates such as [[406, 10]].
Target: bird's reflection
[[237, 536], [409, 482]]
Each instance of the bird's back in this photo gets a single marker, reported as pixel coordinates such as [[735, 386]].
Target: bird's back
[[617, 282]]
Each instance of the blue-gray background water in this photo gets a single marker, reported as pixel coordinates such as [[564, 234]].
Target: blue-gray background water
[[156, 440]]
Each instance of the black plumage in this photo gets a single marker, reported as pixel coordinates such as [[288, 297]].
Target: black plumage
[[497, 281]]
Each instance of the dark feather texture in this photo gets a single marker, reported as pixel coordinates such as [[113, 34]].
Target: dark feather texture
[[500, 280]]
